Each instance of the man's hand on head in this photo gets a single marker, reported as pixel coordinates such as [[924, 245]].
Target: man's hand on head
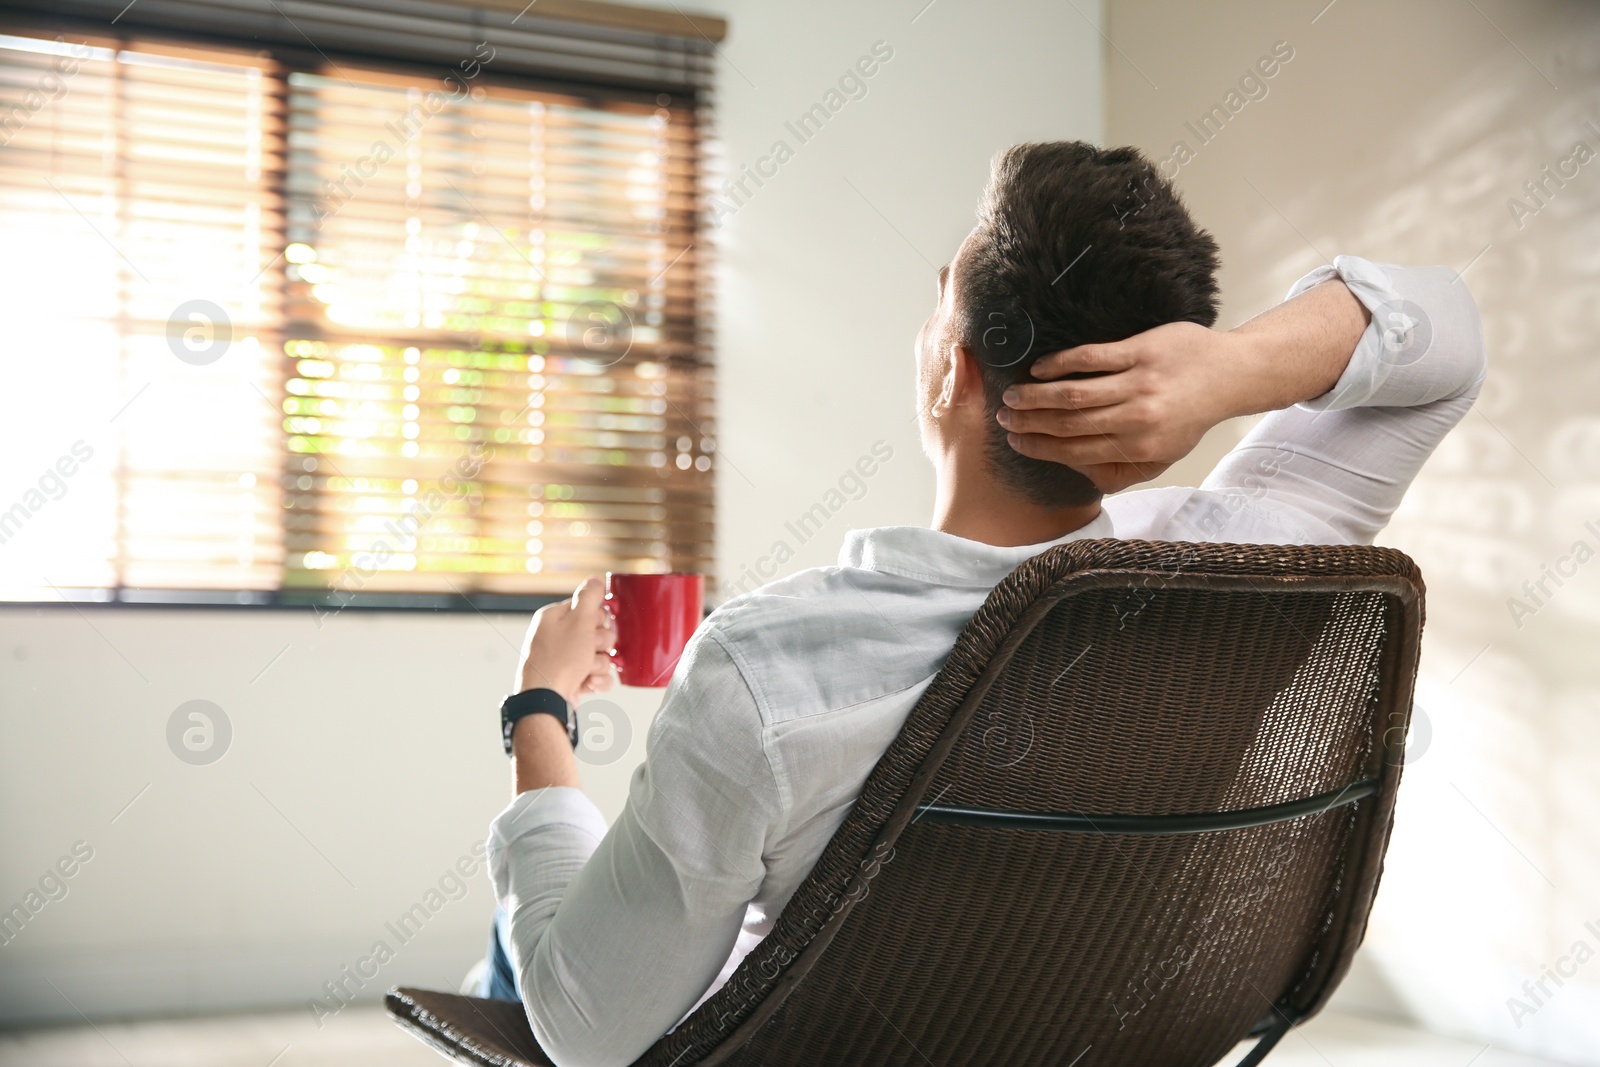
[[566, 645], [1148, 400], [1122, 413]]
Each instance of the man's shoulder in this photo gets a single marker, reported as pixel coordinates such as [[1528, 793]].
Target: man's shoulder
[[830, 637], [802, 607], [1245, 514]]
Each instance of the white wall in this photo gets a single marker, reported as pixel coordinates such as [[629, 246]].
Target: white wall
[[829, 268], [1402, 132], [364, 760]]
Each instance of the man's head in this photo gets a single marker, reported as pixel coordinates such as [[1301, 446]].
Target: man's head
[[1074, 245]]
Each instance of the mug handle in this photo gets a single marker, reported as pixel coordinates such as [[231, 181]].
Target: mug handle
[[616, 636]]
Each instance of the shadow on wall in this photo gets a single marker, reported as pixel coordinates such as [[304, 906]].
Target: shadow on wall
[[1489, 919]]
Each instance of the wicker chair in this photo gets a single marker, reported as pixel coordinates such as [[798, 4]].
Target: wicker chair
[[1139, 816]]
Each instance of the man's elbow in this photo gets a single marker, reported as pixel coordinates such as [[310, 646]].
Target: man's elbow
[[571, 1037], [566, 1042]]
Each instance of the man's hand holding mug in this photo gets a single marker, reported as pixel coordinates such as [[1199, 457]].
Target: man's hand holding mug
[[568, 644], [639, 623]]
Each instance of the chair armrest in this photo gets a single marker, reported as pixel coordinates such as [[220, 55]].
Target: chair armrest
[[471, 1030]]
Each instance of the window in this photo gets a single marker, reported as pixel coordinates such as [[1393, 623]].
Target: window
[[285, 328]]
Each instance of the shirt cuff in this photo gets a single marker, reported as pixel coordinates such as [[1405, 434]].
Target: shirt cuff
[[1382, 345], [555, 812]]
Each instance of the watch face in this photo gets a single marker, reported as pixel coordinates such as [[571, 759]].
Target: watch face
[[507, 721]]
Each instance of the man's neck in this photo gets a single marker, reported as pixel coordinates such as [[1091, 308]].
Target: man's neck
[[969, 503]]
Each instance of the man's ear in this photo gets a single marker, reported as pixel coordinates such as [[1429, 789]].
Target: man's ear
[[965, 378], [944, 397]]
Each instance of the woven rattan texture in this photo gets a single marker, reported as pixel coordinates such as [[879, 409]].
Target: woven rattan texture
[[999, 946], [1190, 700], [1037, 948]]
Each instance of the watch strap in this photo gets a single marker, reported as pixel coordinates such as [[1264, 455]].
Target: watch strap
[[534, 702]]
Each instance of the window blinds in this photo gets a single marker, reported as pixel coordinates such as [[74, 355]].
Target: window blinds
[[347, 332]]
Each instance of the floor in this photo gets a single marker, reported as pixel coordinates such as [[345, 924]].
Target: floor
[[364, 1037]]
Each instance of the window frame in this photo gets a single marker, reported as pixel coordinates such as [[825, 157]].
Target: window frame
[[606, 18]]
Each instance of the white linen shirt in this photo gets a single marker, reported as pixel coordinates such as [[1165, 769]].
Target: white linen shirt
[[786, 697]]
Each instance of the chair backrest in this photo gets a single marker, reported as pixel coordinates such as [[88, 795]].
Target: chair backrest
[[1142, 808]]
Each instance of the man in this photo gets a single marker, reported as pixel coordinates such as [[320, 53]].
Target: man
[[786, 697]]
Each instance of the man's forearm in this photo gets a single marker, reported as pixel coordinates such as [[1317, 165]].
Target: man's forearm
[[1315, 464], [541, 755], [1297, 350]]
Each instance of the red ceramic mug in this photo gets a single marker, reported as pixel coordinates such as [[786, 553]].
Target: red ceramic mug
[[655, 615]]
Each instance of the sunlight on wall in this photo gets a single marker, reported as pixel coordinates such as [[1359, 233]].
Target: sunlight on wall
[[1488, 921], [1494, 874]]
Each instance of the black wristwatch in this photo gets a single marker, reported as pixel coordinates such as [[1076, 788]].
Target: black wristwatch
[[532, 702]]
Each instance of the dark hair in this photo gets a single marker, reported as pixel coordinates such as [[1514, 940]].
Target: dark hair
[[1074, 245]]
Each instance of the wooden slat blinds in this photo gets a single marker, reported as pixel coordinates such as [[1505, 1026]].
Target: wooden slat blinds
[[350, 332]]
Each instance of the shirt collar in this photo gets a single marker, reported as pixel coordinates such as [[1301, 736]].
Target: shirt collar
[[944, 559]]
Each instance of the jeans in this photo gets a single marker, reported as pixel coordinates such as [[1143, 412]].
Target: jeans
[[499, 979]]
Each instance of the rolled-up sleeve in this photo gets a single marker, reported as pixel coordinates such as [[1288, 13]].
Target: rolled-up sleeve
[[1336, 467], [616, 933], [1424, 342]]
